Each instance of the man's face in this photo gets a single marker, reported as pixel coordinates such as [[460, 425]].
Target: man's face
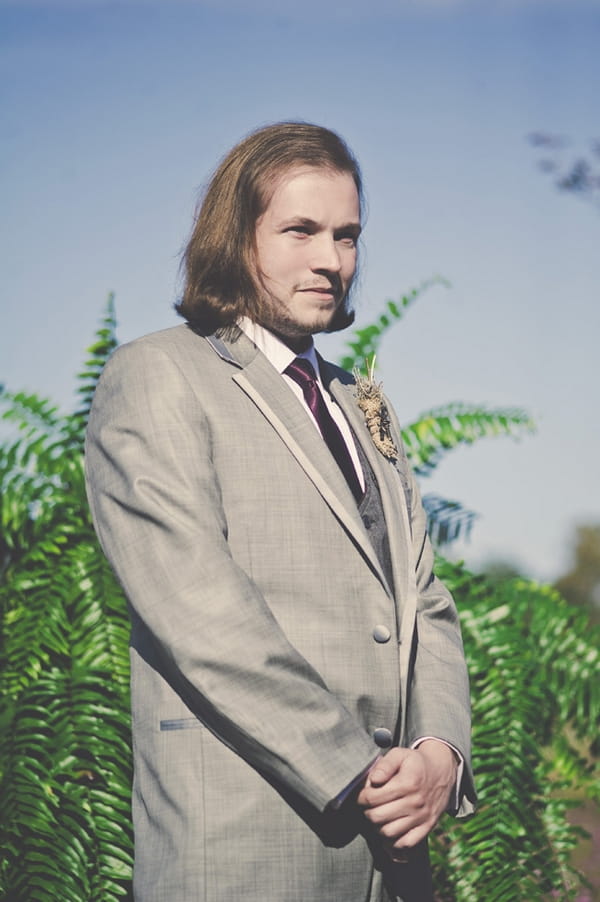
[[306, 250]]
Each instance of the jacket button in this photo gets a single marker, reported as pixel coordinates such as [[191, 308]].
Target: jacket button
[[381, 633], [382, 737]]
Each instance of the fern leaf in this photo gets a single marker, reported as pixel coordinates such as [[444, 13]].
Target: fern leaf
[[515, 634], [99, 352], [364, 342], [443, 428]]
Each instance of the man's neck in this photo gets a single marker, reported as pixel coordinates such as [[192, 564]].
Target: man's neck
[[277, 348], [297, 344]]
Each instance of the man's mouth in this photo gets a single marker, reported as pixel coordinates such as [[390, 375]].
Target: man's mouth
[[326, 291]]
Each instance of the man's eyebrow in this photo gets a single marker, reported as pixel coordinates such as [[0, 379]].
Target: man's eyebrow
[[354, 227], [299, 220]]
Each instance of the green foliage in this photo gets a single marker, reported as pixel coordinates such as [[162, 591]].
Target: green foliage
[[65, 760], [534, 664], [99, 352], [439, 430], [364, 343], [65, 763]]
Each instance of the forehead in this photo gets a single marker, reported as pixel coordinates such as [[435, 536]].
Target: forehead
[[313, 192]]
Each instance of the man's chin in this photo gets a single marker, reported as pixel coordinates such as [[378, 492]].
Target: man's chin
[[298, 336], [296, 329], [319, 324]]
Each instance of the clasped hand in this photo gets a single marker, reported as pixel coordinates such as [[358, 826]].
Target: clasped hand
[[406, 793]]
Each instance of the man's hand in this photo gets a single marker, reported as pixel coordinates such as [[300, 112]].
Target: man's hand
[[406, 792]]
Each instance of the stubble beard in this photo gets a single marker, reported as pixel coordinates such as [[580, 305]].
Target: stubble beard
[[278, 318]]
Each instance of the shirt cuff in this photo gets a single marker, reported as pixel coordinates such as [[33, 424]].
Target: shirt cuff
[[337, 802], [455, 795]]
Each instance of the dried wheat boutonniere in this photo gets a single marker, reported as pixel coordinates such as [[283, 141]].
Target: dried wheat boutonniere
[[370, 400]]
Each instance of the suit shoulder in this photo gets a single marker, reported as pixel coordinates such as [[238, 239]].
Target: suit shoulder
[[174, 356], [177, 343], [174, 338]]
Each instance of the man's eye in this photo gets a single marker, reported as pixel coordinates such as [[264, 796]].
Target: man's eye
[[301, 230], [348, 240]]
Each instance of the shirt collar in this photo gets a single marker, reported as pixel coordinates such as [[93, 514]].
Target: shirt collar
[[274, 349]]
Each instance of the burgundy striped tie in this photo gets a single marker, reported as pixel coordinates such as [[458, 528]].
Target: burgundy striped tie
[[302, 372]]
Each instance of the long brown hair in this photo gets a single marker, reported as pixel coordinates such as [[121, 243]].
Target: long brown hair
[[219, 260]]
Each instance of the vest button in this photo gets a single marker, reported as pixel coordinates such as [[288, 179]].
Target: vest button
[[367, 520], [381, 633], [382, 737]]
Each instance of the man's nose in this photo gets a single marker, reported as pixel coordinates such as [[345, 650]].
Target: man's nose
[[326, 255]]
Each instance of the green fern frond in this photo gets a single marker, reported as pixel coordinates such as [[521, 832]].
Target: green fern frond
[[30, 411], [515, 635], [443, 428], [364, 343], [99, 352], [70, 714], [65, 758], [65, 791]]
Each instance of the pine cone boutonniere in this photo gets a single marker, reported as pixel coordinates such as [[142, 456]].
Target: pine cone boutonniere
[[370, 400]]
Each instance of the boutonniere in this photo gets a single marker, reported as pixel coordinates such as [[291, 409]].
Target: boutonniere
[[370, 400]]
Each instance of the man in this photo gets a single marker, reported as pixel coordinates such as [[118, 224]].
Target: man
[[299, 693]]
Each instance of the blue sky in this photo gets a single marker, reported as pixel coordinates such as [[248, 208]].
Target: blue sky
[[115, 113]]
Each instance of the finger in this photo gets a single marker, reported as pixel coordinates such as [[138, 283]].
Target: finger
[[408, 840], [393, 825], [388, 814], [405, 784], [400, 849], [373, 797], [397, 819], [385, 768]]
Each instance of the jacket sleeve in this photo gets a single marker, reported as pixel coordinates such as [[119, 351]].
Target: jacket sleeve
[[156, 505]]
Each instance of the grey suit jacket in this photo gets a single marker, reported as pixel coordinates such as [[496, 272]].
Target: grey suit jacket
[[257, 683]]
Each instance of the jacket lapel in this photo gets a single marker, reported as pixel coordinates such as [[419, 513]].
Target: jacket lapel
[[393, 497], [255, 376]]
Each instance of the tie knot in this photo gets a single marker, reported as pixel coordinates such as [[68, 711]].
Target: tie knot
[[301, 371]]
